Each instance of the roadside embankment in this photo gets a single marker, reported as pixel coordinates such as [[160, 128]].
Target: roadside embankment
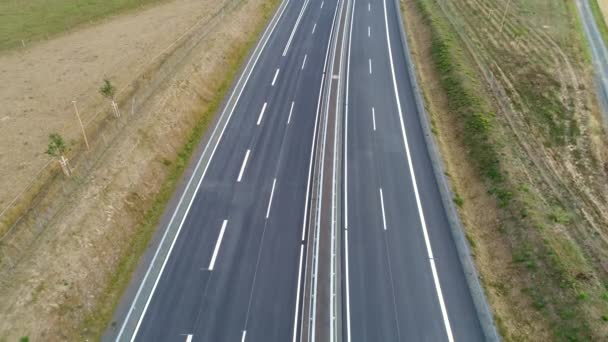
[[515, 115]]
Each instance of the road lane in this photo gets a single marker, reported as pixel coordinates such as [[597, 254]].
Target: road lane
[[252, 285], [405, 282]]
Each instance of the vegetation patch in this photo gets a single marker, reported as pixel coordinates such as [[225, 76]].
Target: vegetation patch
[[33, 20], [541, 121]]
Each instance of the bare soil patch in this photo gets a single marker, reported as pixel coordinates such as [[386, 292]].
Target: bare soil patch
[[538, 231], [39, 83], [58, 264]]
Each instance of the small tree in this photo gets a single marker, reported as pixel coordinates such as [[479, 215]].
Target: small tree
[[108, 91], [57, 149]]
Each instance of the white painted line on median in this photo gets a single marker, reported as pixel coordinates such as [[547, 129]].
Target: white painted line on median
[[274, 79], [251, 63], [295, 316], [261, 113], [315, 258], [427, 241], [217, 245], [369, 31], [189, 338], [370, 66], [350, 37], [347, 286], [305, 219], [290, 111], [304, 61], [382, 206], [244, 334], [314, 27], [322, 2], [295, 27], [243, 166], [369, 7], [374, 118], [274, 182]]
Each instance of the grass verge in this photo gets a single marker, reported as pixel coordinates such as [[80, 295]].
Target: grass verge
[[550, 267], [33, 20], [95, 323]]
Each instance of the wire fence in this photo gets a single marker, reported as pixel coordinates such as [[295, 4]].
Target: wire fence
[[33, 202]]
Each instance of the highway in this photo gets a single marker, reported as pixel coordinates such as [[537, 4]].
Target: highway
[[312, 212], [403, 278], [599, 53], [232, 270]]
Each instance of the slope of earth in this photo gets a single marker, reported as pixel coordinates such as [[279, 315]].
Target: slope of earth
[[514, 110], [64, 265]]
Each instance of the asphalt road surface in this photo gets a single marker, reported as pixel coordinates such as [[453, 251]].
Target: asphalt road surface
[[232, 273], [232, 262], [403, 280]]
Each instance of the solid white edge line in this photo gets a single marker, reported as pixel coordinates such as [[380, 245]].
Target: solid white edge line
[[304, 61], [347, 286], [374, 118], [217, 245], [261, 114], [243, 166], [274, 79], [267, 33], [243, 336], [382, 207], [333, 279], [290, 111], [350, 36], [295, 27], [295, 316], [305, 219], [274, 182], [427, 241]]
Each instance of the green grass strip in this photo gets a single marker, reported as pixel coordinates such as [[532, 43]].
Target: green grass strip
[[34, 20], [551, 290]]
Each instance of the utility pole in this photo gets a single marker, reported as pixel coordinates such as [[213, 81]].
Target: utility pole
[[504, 15], [84, 134]]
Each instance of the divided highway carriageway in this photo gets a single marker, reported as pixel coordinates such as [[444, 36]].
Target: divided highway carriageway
[[312, 212]]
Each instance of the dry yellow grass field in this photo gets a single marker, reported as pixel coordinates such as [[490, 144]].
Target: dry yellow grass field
[[64, 265]]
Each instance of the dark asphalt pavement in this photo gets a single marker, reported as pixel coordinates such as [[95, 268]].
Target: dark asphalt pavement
[[230, 264], [396, 230], [250, 292]]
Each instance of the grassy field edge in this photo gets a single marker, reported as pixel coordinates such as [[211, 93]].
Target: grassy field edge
[[549, 285], [39, 20], [95, 324]]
